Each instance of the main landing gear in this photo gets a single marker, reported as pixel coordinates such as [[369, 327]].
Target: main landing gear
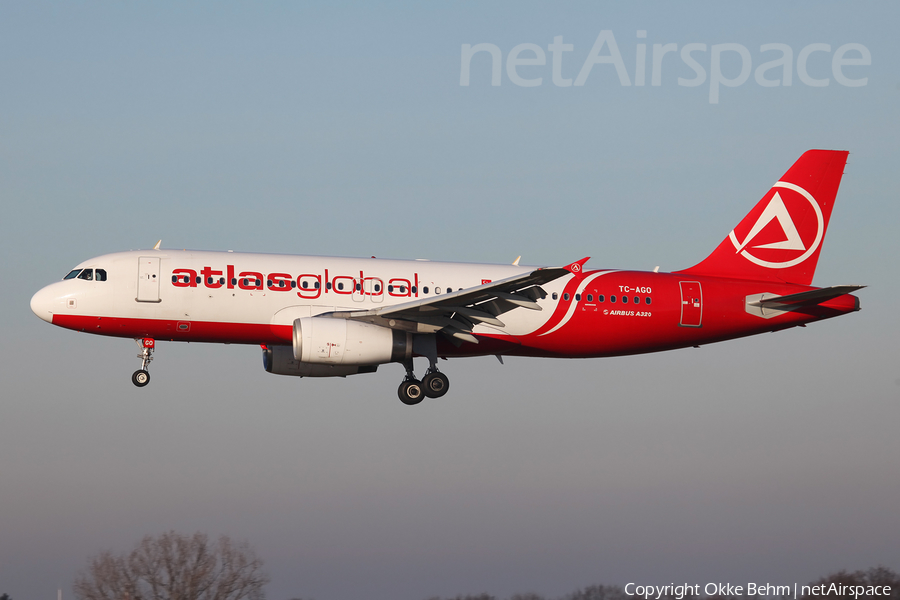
[[141, 377], [434, 385]]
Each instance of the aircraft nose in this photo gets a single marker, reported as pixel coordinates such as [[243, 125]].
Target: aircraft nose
[[42, 304]]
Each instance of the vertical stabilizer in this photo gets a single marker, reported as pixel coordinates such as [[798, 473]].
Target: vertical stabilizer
[[781, 237]]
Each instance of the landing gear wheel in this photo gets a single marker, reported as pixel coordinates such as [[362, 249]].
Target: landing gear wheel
[[411, 392], [140, 378], [436, 384]]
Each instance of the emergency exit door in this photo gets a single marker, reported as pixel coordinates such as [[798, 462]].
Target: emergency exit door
[[691, 303], [148, 279]]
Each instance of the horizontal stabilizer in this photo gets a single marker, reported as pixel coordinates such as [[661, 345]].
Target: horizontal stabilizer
[[811, 297]]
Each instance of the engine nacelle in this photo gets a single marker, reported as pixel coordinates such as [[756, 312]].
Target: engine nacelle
[[280, 361], [330, 341]]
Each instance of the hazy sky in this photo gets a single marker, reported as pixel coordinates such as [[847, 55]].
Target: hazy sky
[[332, 128]]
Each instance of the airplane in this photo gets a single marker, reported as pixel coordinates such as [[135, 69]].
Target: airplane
[[317, 316]]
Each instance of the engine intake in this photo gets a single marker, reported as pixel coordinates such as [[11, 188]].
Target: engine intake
[[334, 341]]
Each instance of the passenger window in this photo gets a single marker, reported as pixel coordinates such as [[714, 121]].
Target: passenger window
[[425, 290], [304, 285], [233, 281], [72, 274], [328, 286], [590, 297], [577, 297], [601, 298], [566, 297], [555, 296], [293, 284], [624, 299], [413, 289], [100, 274], [647, 299], [377, 288], [390, 288], [199, 280], [449, 290], [87, 275], [340, 285], [437, 290], [316, 285], [612, 298]]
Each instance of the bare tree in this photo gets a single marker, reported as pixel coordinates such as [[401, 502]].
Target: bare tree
[[173, 566]]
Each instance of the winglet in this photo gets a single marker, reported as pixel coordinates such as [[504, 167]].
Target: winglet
[[577, 266], [156, 247], [516, 262]]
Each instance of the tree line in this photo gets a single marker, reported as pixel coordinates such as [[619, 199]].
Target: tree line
[[174, 566]]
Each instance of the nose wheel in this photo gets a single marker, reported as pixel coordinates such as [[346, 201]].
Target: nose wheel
[[141, 377]]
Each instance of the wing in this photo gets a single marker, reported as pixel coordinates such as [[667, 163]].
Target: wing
[[456, 314]]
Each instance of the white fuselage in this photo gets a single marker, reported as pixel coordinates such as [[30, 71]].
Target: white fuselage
[[252, 298]]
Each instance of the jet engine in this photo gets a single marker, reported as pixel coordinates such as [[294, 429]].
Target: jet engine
[[335, 341], [280, 360]]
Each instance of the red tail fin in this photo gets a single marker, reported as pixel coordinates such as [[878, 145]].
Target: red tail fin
[[781, 237]]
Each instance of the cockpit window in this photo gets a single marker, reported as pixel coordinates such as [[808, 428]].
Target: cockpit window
[[87, 274]]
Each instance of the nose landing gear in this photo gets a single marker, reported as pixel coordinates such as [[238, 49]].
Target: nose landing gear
[[141, 377]]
